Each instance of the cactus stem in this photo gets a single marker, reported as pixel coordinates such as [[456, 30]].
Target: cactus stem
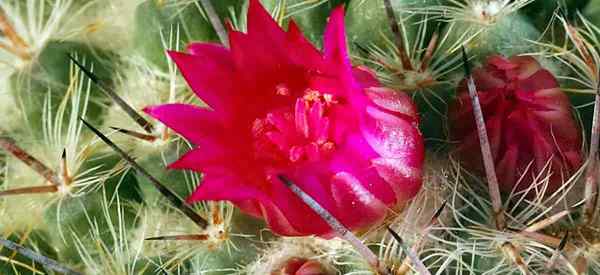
[[405, 266], [429, 52], [486, 152], [191, 237], [591, 183], [145, 124], [410, 254], [215, 21], [215, 213], [362, 49], [135, 134], [398, 35], [513, 253], [541, 238], [66, 176], [580, 46], [30, 190], [165, 191], [336, 225], [9, 145], [165, 134], [557, 253], [547, 221], [45, 261]]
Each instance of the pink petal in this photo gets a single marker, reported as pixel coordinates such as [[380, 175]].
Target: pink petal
[[311, 267], [393, 137], [250, 207], [223, 187], [357, 207], [301, 217], [355, 157], [278, 223], [210, 77], [193, 123], [404, 179], [501, 62], [197, 159], [210, 50], [365, 77], [506, 168], [527, 65], [335, 49], [394, 101], [262, 25], [300, 50], [540, 80]]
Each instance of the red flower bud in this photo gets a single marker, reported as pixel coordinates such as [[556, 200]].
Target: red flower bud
[[529, 123]]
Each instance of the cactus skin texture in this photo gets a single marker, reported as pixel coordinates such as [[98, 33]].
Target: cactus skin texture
[[76, 204]]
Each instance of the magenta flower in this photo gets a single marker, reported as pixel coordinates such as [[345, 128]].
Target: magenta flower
[[528, 119], [280, 106]]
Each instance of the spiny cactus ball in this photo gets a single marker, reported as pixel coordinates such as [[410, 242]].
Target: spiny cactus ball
[[299, 137]]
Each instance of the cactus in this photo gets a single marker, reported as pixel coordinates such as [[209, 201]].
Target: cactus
[[88, 184]]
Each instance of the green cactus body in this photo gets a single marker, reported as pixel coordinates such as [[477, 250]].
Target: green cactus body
[[73, 214], [51, 74], [541, 12], [507, 35], [177, 181], [592, 12], [377, 30]]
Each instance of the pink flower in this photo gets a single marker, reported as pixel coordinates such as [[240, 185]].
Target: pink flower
[[280, 106], [528, 119]]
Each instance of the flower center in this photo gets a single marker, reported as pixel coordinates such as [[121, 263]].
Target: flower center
[[298, 135]]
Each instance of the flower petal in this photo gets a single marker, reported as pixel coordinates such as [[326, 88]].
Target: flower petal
[[335, 49], [210, 50], [223, 187], [193, 123], [393, 137], [262, 26], [393, 101], [209, 76], [349, 193]]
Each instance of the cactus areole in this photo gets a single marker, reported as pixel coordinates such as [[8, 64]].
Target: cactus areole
[[279, 106], [528, 118]]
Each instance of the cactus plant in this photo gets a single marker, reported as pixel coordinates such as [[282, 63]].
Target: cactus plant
[[315, 137]]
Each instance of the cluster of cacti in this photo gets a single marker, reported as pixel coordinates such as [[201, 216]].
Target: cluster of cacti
[[299, 137]]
